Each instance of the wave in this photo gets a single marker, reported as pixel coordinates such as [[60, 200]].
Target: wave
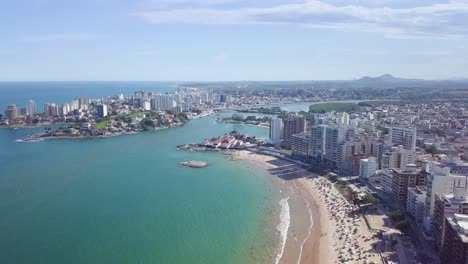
[[28, 140], [283, 226]]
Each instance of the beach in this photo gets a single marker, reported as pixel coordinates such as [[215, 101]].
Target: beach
[[301, 224], [316, 224]]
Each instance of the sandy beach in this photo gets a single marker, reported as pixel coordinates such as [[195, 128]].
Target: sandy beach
[[303, 241], [321, 226]]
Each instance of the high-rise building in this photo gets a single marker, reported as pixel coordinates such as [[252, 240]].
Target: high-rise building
[[188, 103], [317, 141], [11, 112], [84, 102], [47, 109], [300, 145], [412, 176], [317, 118], [101, 111], [367, 167], [293, 124], [455, 244], [146, 105], [24, 111], [446, 205], [276, 130], [344, 119], [403, 136], [397, 157], [32, 107], [441, 181], [350, 152], [163, 102], [334, 136], [415, 204]]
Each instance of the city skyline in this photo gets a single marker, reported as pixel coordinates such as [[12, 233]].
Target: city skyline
[[231, 40]]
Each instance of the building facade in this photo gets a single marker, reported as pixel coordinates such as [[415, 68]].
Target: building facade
[[276, 130]]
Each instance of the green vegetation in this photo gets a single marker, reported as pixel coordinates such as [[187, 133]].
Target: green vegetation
[[382, 102], [327, 107], [287, 151], [135, 114], [346, 191], [433, 150], [403, 226], [332, 177], [369, 199], [236, 118], [275, 110], [101, 125], [396, 216]]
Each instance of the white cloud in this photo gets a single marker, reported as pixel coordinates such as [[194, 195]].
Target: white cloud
[[443, 20], [60, 37]]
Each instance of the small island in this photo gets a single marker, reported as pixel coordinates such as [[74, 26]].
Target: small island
[[248, 120], [194, 164]]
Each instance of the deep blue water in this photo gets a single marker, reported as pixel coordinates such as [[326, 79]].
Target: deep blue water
[[20, 93]]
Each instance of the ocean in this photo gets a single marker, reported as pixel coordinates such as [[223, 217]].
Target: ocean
[[126, 199]]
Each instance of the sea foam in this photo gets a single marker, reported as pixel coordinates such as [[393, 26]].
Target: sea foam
[[283, 227]]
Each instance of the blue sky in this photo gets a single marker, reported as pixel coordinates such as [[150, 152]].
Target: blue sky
[[232, 39]]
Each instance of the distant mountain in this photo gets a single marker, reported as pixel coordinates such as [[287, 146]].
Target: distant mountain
[[385, 78]]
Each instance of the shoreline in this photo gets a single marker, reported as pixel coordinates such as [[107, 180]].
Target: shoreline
[[298, 239], [324, 226]]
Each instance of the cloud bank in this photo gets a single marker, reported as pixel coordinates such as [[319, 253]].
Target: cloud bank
[[438, 20]]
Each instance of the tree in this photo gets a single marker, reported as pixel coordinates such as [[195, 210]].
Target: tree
[[433, 150], [396, 215], [237, 117], [369, 198], [403, 226]]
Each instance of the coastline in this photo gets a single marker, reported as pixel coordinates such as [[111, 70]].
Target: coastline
[[323, 227], [299, 240]]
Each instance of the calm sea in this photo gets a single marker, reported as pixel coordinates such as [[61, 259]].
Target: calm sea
[[126, 199]]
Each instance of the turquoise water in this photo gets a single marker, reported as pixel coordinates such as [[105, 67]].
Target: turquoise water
[[126, 200]]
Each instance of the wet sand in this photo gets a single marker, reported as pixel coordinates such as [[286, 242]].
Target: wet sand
[[304, 242]]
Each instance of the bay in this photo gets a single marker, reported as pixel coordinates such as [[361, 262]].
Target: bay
[[127, 199]]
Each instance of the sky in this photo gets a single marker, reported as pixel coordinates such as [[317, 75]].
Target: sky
[[232, 40]]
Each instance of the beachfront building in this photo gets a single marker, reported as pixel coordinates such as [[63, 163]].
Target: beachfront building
[[276, 130], [350, 152], [410, 177], [403, 136], [300, 145], [334, 136], [101, 111], [32, 107], [415, 204], [367, 167], [455, 243], [293, 124], [11, 112], [317, 141], [386, 180]]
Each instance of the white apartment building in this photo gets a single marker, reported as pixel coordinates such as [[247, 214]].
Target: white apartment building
[[276, 130], [367, 167]]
